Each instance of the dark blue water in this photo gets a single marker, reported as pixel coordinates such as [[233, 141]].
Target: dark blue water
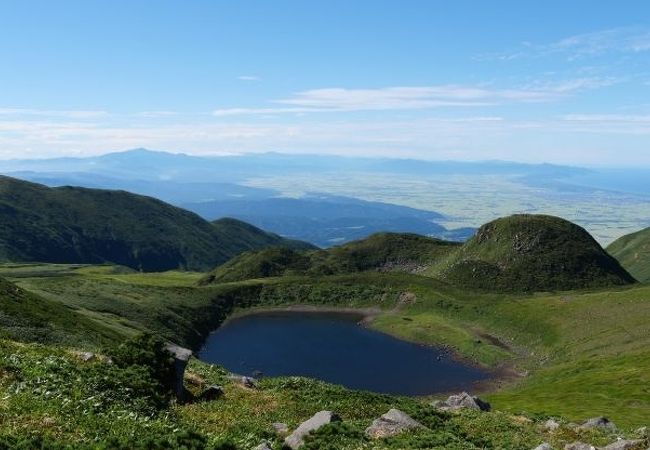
[[334, 348]]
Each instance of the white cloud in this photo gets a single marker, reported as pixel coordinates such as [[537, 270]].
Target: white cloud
[[413, 98], [612, 40], [70, 114], [608, 118]]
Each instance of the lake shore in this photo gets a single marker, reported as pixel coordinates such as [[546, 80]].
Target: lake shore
[[498, 376]]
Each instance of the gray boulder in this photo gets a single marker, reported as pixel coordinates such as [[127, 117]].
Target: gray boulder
[[579, 446], [181, 357], [460, 401], [87, 356], [598, 422], [550, 425], [263, 446], [248, 382], [544, 446], [624, 444], [392, 423], [297, 438]]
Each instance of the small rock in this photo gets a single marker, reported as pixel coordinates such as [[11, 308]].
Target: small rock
[[263, 446], [392, 423], [544, 446], [281, 428], [178, 352], [296, 439], [462, 400], [248, 382], [211, 393], [579, 446], [87, 356], [598, 422], [550, 425], [624, 444], [642, 432]]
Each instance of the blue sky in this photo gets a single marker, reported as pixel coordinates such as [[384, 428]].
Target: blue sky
[[553, 81]]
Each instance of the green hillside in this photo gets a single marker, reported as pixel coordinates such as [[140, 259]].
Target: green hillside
[[77, 225], [382, 251], [633, 252], [531, 253], [27, 317]]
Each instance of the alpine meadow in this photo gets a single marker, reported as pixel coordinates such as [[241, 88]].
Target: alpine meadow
[[324, 225]]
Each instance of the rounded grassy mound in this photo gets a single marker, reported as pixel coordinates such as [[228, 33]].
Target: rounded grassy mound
[[633, 252], [532, 253]]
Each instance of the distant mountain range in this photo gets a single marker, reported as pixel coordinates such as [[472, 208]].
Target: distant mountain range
[[143, 164], [217, 186], [80, 225]]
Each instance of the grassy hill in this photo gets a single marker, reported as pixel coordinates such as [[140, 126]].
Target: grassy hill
[[78, 225], [382, 251], [25, 316], [531, 253], [633, 252]]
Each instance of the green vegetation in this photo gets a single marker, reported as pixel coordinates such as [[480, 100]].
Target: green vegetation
[[633, 252], [572, 354], [531, 253], [28, 317], [77, 225], [51, 399], [546, 335], [403, 252]]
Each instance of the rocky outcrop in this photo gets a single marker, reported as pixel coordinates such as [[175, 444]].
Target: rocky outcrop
[[551, 425], [87, 356], [625, 444], [181, 358], [598, 422], [248, 382], [544, 446], [297, 438], [392, 423], [579, 446], [460, 401]]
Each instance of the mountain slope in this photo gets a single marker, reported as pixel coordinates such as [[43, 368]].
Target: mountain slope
[[633, 252], [531, 253], [78, 225], [382, 251], [25, 316], [327, 220]]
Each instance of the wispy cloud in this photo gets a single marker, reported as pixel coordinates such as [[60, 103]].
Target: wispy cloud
[[70, 114], [249, 78], [411, 98], [612, 40], [608, 118], [576, 138]]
